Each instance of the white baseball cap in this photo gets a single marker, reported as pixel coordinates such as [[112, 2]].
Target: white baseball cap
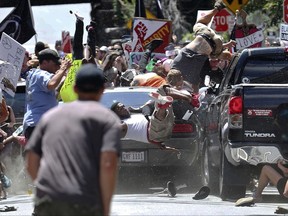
[[104, 48]]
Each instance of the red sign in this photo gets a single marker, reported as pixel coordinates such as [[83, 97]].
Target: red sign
[[145, 30], [221, 21], [285, 11]]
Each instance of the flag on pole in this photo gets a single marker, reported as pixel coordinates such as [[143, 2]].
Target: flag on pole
[[18, 24], [159, 13], [140, 9], [66, 42]]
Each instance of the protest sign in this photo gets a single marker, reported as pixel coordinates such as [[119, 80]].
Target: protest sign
[[67, 90], [251, 38], [283, 32], [135, 57], [11, 55], [145, 30]]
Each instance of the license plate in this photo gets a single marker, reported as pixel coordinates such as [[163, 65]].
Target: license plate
[[133, 156]]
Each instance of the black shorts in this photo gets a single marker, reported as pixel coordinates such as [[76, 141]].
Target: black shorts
[[190, 64], [281, 185]]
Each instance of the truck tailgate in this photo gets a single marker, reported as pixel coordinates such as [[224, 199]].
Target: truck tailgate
[[265, 116]]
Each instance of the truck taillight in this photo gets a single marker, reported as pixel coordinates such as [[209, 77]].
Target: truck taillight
[[235, 112], [235, 105], [182, 128]]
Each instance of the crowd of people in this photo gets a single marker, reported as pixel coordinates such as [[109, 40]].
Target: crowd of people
[[64, 176]]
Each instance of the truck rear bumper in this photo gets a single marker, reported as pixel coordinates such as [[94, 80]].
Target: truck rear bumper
[[255, 154]]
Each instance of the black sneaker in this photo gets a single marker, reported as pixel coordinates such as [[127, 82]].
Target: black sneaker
[[152, 45], [219, 5], [202, 193], [171, 188], [281, 210]]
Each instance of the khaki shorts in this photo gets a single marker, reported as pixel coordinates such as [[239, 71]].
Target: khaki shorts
[[160, 131]]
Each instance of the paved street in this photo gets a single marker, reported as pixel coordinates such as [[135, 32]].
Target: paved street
[[161, 204]]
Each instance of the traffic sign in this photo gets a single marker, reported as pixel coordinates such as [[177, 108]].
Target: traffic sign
[[234, 5], [222, 21], [285, 11]]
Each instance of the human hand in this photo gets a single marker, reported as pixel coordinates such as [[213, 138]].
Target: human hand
[[65, 64], [195, 100], [230, 44]]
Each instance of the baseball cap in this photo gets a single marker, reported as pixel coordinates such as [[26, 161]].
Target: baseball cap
[[104, 48], [215, 41], [49, 54], [89, 78]]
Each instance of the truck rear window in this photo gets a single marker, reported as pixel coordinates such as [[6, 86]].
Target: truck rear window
[[263, 69]]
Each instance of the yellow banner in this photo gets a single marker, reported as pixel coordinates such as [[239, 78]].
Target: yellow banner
[[67, 91]]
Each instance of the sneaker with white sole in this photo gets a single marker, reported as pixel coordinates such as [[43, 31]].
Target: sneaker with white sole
[[163, 102], [77, 15], [246, 201], [219, 5]]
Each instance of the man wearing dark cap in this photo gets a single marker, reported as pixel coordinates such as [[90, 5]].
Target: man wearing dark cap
[[78, 154], [191, 58], [40, 87]]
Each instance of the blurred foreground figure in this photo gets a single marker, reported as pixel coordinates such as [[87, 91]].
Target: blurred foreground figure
[[78, 154]]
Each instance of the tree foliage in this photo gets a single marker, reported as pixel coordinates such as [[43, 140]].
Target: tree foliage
[[268, 11], [272, 8]]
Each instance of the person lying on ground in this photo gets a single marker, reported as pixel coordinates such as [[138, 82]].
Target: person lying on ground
[[277, 176]]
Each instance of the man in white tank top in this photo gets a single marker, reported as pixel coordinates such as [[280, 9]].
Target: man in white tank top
[[155, 130]]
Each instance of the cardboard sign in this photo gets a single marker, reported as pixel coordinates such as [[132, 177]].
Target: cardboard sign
[[11, 55], [145, 30], [67, 91], [284, 32], [135, 57], [248, 37]]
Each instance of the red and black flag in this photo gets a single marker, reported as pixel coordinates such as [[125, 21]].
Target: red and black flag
[[18, 24], [140, 9]]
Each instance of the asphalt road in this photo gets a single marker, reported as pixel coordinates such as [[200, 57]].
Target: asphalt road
[[137, 193], [161, 204]]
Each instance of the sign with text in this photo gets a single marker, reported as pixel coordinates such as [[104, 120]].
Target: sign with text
[[135, 57], [283, 32], [67, 91], [246, 36], [223, 21], [285, 11], [145, 30], [234, 5], [11, 55]]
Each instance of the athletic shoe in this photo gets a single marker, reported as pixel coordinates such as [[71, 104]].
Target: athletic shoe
[[202, 193], [281, 210], [77, 15], [247, 201], [152, 45], [162, 102], [219, 5], [171, 189]]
